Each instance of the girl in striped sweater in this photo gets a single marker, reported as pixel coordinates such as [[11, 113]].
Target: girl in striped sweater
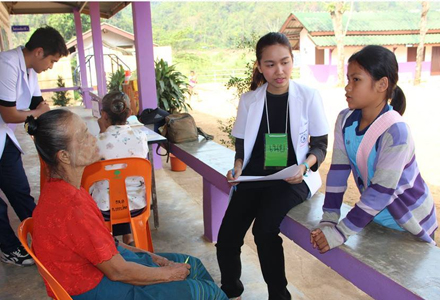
[[393, 192]]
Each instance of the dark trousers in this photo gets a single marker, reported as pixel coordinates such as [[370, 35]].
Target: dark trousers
[[15, 185], [267, 206]]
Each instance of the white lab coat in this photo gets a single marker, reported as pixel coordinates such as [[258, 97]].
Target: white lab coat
[[15, 86], [307, 118]]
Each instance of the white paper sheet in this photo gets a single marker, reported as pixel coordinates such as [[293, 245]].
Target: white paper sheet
[[283, 174]]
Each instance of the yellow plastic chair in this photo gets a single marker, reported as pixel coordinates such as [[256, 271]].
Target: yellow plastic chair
[[27, 227], [115, 171]]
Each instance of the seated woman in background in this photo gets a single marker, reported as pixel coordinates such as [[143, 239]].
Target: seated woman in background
[[117, 139], [72, 241]]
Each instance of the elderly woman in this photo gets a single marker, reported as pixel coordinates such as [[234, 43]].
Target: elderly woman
[[70, 237]]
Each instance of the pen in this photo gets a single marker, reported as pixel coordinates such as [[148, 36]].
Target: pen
[[186, 261], [233, 175]]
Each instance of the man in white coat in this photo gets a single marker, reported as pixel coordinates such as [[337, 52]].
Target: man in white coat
[[20, 97]]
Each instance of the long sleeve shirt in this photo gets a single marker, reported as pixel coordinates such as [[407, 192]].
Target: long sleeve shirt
[[396, 184]]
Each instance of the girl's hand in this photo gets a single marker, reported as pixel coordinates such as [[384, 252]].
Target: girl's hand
[[159, 260], [237, 173], [318, 239], [177, 271]]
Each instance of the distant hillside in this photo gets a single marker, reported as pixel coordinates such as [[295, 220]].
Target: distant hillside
[[206, 25]]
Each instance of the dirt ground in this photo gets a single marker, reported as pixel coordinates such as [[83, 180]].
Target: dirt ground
[[214, 102]]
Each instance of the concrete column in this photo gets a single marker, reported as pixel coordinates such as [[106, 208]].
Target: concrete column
[[95, 19], [215, 203], [146, 77], [144, 55], [81, 58]]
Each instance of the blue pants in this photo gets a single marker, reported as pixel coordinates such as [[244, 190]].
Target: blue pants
[[15, 185], [197, 286]]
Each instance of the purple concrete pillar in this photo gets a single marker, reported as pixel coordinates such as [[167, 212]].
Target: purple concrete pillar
[[215, 203], [144, 55], [95, 19], [146, 77], [81, 58]]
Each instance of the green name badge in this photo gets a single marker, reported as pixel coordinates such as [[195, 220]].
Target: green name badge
[[276, 149]]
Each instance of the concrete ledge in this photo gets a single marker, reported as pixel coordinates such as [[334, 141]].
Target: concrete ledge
[[384, 263]]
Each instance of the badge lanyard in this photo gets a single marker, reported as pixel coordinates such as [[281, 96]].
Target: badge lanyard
[[276, 147]]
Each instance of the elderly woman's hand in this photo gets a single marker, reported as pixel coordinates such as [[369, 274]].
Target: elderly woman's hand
[[178, 271], [159, 260]]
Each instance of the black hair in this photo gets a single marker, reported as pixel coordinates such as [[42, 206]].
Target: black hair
[[272, 38], [117, 106], [50, 135], [50, 40], [381, 62]]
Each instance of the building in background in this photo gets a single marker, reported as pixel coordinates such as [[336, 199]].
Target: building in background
[[312, 38], [118, 49]]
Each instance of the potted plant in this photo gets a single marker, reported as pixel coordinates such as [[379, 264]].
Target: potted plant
[[116, 80], [171, 87]]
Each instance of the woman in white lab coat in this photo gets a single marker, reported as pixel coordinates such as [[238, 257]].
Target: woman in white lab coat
[[279, 123]]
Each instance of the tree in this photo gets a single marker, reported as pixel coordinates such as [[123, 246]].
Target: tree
[[337, 10], [60, 98], [65, 24], [421, 46]]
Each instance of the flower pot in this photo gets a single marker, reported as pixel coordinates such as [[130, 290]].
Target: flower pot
[[176, 164]]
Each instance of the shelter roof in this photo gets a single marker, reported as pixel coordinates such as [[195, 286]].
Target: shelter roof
[[383, 40], [107, 9]]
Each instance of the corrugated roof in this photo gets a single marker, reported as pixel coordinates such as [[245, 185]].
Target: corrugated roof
[[368, 21], [362, 40]]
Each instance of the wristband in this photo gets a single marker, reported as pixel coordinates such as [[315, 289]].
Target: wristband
[[307, 168]]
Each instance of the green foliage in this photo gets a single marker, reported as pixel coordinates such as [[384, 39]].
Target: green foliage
[[65, 24], [171, 87], [116, 80], [242, 85], [60, 98], [227, 128], [199, 25], [204, 62]]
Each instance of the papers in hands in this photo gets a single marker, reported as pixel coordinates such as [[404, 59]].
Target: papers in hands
[[281, 175]]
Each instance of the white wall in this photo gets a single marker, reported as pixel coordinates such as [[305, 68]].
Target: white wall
[[307, 55]]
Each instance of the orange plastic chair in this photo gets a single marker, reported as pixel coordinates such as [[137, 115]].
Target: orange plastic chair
[[27, 227], [119, 206]]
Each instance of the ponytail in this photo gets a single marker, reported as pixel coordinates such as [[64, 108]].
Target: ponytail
[[257, 78], [398, 101]]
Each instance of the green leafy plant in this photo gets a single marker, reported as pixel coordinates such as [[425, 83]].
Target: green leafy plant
[[60, 98], [116, 80], [242, 85], [226, 127], [171, 87]]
